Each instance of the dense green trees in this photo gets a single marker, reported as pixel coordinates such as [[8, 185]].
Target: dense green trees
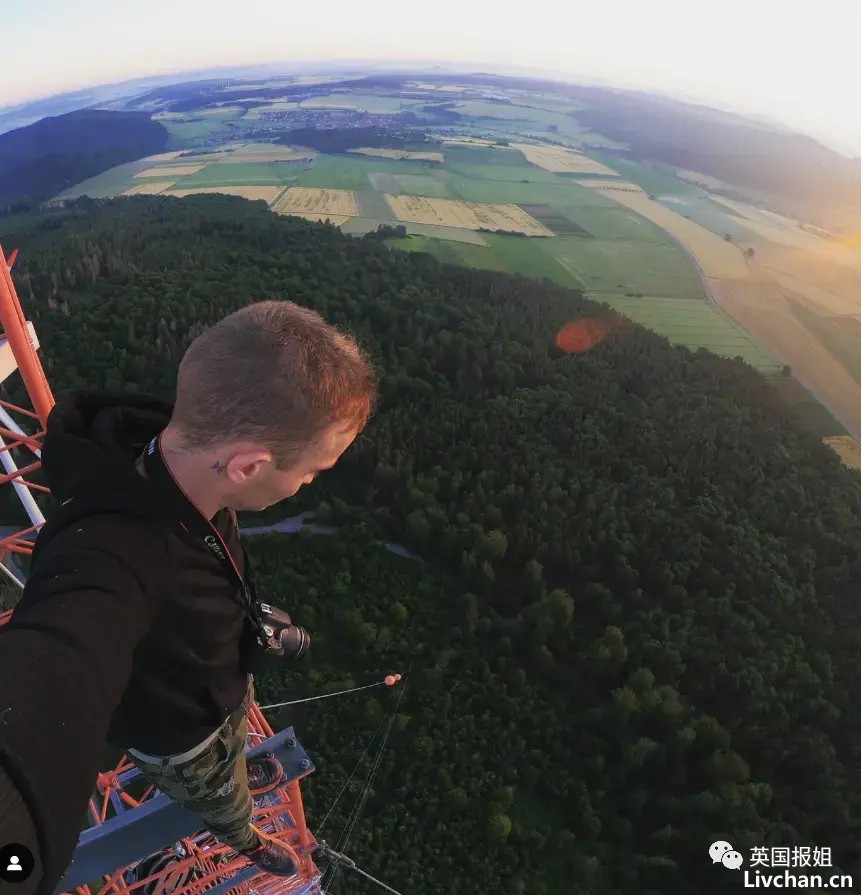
[[42, 159], [636, 629]]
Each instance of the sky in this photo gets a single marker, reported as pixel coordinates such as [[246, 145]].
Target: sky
[[794, 62]]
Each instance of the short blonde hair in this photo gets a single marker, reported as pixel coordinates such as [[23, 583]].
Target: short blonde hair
[[276, 373]]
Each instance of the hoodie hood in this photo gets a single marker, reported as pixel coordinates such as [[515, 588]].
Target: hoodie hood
[[92, 441]]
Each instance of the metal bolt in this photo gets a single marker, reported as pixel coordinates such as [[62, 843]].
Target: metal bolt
[[305, 764], [291, 743]]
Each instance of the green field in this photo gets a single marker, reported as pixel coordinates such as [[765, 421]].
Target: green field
[[448, 252], [225, 173], [191, 131], [373, 205], [696, 324], [614, 223], [616, 266], [421, 185], [554, 193], [109, 183], [365, 102], [655, 182], [351, 172]]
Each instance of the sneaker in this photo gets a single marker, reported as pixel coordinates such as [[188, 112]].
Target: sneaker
[[272, 855], [264, 773]]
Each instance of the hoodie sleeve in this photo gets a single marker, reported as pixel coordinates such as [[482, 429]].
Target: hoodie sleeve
[[65, 661]]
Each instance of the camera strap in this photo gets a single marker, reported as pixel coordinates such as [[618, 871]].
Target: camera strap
[[185, 512]]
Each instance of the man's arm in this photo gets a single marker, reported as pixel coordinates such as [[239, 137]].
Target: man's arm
[[65, 661]]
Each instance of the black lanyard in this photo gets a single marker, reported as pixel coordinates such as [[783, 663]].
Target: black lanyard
[[183, 510]]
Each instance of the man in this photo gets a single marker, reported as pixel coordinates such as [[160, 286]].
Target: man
[[130, 628]]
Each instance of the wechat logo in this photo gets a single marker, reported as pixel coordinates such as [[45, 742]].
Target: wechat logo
[[723, 853]]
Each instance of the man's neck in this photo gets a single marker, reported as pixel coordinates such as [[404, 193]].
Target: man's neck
[[191, 472]]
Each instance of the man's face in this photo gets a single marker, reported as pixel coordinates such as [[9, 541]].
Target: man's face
[[262, 484]]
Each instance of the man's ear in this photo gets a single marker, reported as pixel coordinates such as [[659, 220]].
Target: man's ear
[[246, 465]]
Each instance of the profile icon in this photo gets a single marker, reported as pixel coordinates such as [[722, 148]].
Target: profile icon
[[16, 862]]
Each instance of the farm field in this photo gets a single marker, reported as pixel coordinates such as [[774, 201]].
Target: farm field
[[226, 173], [471, 215], [616, 266], [560, 160], [162, 171], [847, 449], [715, 256], [149, 188], [400, 154], [695, 324], [317, 201]]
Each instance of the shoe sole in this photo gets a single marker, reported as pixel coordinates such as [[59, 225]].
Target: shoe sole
[[270, 787], [262, 792]]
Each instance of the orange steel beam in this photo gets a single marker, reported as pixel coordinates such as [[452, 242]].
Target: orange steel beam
[[15, 329]]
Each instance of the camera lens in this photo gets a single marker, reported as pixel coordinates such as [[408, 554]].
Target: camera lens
[[295, 640]]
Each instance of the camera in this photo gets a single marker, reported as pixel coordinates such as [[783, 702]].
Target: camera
[[275, 641]]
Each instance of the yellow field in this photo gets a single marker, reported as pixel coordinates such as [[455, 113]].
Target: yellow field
[[466, 215], [170, 171], [715, 256], [164, 156], [847, 449], [401, 154], [267, 193], [336, 219], [314, 200], [561, 160], [624, 186], [150, 188]]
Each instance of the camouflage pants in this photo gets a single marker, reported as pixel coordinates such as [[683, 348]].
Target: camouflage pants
[[214, 783]]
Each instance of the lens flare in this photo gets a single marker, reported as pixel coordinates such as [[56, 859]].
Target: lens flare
[[578, 336]]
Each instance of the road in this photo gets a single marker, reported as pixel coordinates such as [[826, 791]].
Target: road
[[292, 524]]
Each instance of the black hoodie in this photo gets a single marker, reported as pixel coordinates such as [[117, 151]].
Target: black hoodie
[[128, 629]]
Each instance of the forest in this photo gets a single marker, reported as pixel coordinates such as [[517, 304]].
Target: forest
[[635, 628], [45, 158], [340, 139]]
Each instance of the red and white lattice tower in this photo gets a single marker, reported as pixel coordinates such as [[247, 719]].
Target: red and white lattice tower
[[141, 844]]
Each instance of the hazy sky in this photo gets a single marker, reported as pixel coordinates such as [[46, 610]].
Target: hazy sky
[[796, 62]]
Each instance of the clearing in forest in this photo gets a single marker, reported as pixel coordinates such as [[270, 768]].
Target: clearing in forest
[[561, 160], [469, 215], [317, 201]]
